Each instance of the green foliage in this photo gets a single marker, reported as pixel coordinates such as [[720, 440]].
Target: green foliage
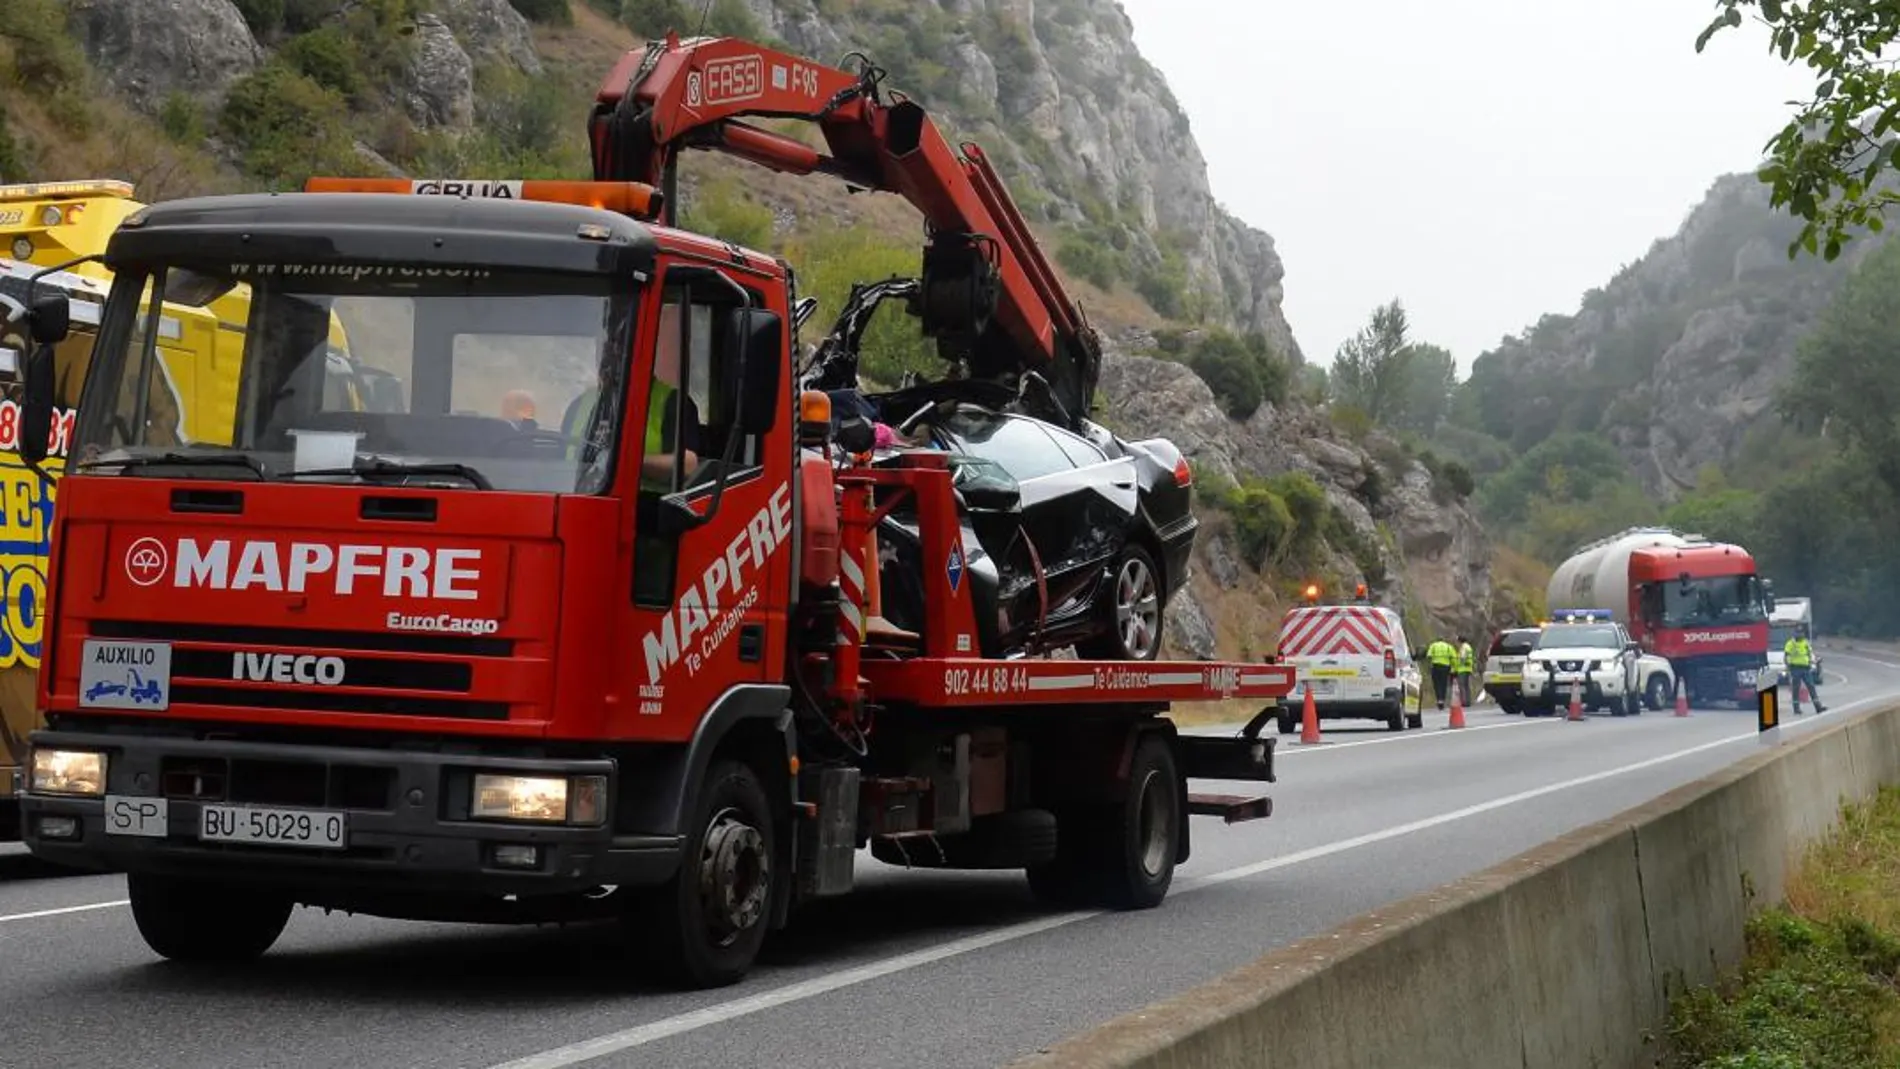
[[1088, 260], [1242, 370], [720, 210], [12, 156], [551, 12], [181, 120], [45, 57], [286, 126], [1828, 165], [1426, 381], [328, 57], [519, 122], [1845, 373], [831, 259], [1372, 369], [264, 17], [1285, 523], [1567, 490]]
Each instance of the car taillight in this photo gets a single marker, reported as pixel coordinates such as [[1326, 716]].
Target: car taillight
[[1391, 665], [1183, 475]]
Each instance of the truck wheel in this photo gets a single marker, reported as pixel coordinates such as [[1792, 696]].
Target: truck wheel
[[1395, 720], [205, 921], [704, 927], [1136, 861]]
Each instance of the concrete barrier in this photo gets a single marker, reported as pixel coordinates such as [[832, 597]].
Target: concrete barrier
[[1565, 955]]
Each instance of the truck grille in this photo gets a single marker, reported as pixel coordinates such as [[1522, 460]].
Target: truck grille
[[212, 677], [1570, 666]]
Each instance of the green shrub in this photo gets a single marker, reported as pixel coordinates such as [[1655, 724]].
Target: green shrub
[[264, 17], [551, 12], [286, 126], [1085, 259], [181, 120], [653, 18], [12, 156], [45, 57], [327, 57], [302, 16], [1231, 374]]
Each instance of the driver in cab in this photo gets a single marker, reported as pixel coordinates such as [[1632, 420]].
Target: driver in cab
[[665, 432]]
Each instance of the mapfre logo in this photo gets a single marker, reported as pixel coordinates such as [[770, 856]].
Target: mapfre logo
[[146, 561], [434, 574]]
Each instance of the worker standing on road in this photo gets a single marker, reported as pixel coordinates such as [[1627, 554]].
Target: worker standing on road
[[1800, 658], [1462, 662], [1440, 654]]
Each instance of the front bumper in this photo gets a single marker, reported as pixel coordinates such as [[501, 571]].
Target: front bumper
[[407, 825], [1594, 690]]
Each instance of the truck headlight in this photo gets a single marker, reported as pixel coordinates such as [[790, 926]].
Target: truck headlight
[[77, 772], [553, 799]]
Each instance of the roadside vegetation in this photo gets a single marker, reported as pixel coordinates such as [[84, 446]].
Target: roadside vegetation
[[1821, 982]]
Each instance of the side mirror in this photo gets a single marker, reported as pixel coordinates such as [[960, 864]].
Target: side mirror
[[49, 321], [754, 359]]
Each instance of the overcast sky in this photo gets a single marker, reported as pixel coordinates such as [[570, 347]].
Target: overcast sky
[[1485, 161]]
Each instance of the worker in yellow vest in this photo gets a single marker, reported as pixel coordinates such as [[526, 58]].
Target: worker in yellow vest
[[1462, 662], [1800, 660], [1440, 654]]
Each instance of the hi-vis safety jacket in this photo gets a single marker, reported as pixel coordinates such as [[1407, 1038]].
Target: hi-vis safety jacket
[[1465, 660], [1798, 653], [1439, 653]]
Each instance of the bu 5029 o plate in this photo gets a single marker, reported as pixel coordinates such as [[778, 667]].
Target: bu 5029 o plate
[[321, 828]]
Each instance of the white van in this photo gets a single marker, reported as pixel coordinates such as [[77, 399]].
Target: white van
[[1357, 661], [1788, 616]]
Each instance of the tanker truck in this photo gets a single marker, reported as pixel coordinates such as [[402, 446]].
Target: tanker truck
[[1696, 602]]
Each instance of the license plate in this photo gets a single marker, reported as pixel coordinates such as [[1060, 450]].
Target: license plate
[[125, 675], [321, 828], [146, 818], [1746, 676]]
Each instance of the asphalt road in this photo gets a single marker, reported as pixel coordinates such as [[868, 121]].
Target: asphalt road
[[935, 969]]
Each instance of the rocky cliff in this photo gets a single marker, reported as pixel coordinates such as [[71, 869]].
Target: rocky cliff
[[1400, 531], [1676, 358]]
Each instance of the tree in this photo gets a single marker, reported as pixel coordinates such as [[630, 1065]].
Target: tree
[[1371, 369], [1845, 373], [1827, 165], [1428, 380]]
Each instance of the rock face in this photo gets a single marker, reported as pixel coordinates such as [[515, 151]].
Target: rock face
[[439, 84], [1676, 357], [149, 49], [1433, 553], [491, 31], [1057, 92]]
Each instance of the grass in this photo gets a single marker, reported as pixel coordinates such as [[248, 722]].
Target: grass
[[1821, 982]]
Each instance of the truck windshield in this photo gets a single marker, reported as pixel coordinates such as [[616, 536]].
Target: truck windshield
[[465, 377], [1779, 634], [1724, 599]]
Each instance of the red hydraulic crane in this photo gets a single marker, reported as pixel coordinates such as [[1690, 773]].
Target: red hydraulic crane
[[988, 294]]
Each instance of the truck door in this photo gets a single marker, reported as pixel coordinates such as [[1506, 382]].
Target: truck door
[[708, 602]]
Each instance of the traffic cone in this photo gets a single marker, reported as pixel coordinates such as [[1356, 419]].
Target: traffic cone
[[1682, 701], [1457, 710], [1576, 701], [1309, 719]]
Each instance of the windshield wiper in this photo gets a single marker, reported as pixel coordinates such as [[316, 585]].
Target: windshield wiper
[[205, 460], [370, 469]]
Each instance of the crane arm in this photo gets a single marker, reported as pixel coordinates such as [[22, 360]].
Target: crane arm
[[987, 292]]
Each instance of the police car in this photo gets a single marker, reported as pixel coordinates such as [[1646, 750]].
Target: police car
[[1588, 650], [1356, 661]]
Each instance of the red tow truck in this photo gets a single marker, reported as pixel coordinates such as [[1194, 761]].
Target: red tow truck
[[438, 663]]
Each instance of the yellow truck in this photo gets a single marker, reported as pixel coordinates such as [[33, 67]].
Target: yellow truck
[[44, 225]]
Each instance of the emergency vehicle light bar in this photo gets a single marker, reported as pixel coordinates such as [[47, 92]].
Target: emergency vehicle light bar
[[1571, 616], [96, 187], [637, 199]]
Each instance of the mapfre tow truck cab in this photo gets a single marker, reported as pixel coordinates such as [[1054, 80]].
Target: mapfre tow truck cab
[[579, 632]]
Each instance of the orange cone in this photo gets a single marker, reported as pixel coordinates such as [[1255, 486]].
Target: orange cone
[[1309, 719], [1576, 700], [1682, 700], [1457, 709]]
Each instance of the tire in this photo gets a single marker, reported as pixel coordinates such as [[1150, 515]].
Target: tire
[[205, 921], [1415, 720], [1287, 724], [1395, 720], [710, 937], [1129, 613], [1656, 695], [1119, 855]]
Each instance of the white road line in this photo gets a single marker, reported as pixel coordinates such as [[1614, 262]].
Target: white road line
[[667, 1027], [61, 911], [1414, 735]]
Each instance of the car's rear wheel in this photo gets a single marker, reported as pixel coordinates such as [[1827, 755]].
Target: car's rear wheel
[[1129, 612], [1657, 693]]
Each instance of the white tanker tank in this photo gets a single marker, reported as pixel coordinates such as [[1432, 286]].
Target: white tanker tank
[[1597, 576]]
